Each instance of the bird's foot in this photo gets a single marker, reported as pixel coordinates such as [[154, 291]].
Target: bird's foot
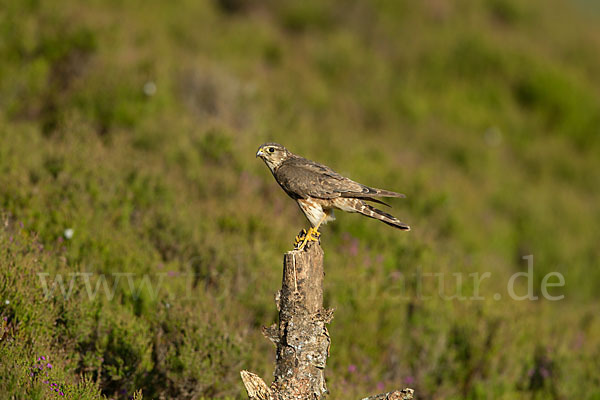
[[299, 238], [312, 235]]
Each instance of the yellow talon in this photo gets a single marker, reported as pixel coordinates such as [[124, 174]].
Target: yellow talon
[[300, 237], [312, 235]]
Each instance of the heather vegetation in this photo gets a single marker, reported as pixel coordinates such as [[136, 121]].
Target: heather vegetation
[[141, 241]]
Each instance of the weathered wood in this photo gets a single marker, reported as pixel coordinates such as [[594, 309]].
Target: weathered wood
[[301, 335], [303, 340], [257, 388], [404, 394]]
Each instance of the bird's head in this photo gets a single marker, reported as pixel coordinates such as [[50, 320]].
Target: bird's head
[[273, 155]]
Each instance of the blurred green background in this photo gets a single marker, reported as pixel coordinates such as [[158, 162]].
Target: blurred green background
[[135, 125]]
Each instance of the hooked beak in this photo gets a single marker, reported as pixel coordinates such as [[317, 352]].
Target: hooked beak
[[260, 153]]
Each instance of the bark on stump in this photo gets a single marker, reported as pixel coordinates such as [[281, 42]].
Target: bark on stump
[[301, 336]]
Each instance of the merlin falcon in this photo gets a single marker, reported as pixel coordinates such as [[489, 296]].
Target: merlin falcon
[[319, 190]]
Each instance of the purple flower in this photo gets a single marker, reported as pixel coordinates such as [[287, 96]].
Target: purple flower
[[352, 368], [380, 386], [409, 380], [579, 341], [49, 365], [61, 393], [545, 373], [353, 248]]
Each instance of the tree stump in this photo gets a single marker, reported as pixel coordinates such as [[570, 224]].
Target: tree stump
[[301, 336]]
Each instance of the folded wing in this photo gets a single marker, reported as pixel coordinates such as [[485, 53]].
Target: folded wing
[[302, 178]]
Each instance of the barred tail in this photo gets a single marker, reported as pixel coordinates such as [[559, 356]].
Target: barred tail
[[372, 212]]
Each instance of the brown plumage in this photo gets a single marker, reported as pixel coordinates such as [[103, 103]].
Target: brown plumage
[[319, 190]]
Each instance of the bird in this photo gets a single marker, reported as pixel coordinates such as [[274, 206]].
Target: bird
[[319, 190]]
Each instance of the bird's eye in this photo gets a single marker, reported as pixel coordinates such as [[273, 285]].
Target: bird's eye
[[271, 150]]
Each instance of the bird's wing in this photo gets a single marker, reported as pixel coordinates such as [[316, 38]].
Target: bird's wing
[[302, 178]]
